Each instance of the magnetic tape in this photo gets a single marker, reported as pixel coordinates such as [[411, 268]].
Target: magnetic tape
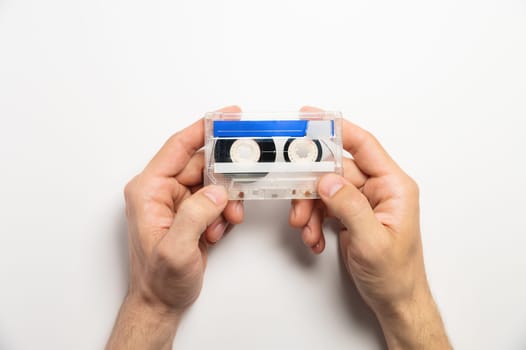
[[271, 155]]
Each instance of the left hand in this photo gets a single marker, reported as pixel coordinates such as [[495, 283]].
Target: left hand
[[166, 217], [171, 220]]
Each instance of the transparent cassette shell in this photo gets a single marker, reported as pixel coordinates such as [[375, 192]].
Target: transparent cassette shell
[[271, 155]]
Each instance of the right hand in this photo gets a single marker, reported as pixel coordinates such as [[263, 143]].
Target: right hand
[[380, 243]]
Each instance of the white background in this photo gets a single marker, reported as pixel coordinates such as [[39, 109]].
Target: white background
[[89, 90]]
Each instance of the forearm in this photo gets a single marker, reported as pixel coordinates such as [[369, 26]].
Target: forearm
[[415, 325], [142, 326]]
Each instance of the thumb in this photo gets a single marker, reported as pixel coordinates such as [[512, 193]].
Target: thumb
[[349, 205], [195, 214]]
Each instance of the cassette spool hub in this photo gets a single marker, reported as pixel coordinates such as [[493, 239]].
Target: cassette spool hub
[[302, 150]]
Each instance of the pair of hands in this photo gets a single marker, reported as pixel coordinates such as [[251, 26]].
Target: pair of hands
[[172, 219]]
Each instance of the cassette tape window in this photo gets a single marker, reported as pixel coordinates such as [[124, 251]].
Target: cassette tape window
[[271, 155]]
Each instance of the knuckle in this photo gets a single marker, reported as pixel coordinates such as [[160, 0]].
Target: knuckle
[[411, 187], [356, 204], [134, 194], [364, 136], [176, 141], [175, 258], [369, 136], [191, 211], [416, 188], [164, 254], [173, 138], [130, 188], [353, 203], [374, 250]]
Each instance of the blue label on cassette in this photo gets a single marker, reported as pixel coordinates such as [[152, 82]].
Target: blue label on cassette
[[262, 128]]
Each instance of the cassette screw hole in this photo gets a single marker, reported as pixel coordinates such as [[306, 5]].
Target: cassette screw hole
[[241, 194]]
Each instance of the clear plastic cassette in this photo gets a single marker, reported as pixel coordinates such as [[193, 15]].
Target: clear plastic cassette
[[271, 155]]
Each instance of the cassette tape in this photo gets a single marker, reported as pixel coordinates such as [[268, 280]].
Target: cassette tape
[[271, 155]]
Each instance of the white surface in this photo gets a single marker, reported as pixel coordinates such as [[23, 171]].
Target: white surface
[[89, 90]]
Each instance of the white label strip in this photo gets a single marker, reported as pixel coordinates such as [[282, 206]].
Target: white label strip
[[280, 167]]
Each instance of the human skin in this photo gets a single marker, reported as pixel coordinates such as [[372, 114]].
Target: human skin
[[172, 219], [380, 241]]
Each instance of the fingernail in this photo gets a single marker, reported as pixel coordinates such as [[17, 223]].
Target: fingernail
[[216, 194], [330, 184], [239, 207], [219, 230]]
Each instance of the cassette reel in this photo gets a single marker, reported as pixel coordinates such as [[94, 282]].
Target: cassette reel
[[271, 155]]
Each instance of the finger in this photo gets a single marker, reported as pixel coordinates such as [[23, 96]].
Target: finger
[[351, 170], [349, 205], [234, 212], [194, 189], [203, 247], [300, 212], [312, 232], [367, 152], [194, 215], [352, 173], [215, 231], [320, 246], [311, 109], [192, 174], [179, 148], [301, 209]]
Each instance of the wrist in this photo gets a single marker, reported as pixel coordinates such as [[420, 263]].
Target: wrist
[[414, 323], [144, 308], [405, 308], [142, 324]]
